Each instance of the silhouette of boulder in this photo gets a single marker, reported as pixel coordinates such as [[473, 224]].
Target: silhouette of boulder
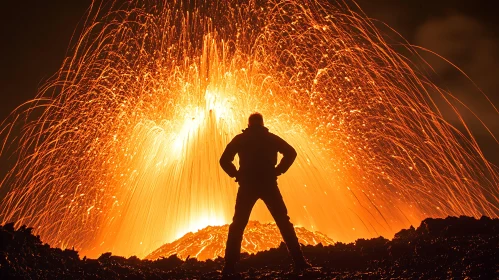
[[454, 247]]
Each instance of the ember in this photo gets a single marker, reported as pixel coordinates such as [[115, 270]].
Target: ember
[[119, 150]]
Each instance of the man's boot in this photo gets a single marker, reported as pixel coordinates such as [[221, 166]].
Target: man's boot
[[301, 264], [229, 269]]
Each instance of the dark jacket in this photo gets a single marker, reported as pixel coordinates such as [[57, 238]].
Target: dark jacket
[[257, 149]]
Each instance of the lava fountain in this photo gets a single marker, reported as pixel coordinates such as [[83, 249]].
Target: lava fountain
[[119, 152]]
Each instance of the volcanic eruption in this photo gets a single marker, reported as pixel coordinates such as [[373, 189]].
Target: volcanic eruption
[[209, 243], [119, 151]]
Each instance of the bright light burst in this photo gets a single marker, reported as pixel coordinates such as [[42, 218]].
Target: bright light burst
[[123, 153]]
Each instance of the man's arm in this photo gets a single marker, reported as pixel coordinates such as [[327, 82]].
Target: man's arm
[[289, 156], [227, 158]]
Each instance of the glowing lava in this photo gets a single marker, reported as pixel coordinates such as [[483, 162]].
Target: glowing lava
[[120, 150], [209, 243]]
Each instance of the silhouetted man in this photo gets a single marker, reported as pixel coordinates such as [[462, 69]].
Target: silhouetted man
[[257, 177]]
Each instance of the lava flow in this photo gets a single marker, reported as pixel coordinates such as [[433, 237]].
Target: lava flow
[[119, 152], [209, 243]]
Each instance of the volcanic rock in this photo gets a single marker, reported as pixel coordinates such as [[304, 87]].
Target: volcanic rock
[[455, 247]]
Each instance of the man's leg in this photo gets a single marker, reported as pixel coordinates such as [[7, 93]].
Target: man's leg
[[245, 200], [273, 199]]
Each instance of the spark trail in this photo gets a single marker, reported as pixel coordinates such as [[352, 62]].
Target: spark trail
[[122, 155]]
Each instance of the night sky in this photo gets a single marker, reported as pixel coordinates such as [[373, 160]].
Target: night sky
[[36, 35]]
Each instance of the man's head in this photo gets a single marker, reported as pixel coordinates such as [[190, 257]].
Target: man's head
[[255, 119]]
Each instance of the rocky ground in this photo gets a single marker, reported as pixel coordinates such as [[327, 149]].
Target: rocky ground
[[454, 247]]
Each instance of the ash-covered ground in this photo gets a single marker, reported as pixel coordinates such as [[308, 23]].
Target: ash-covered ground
[[453, 247]]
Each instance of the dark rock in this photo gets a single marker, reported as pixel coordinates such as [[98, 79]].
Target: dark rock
[[454, 247]]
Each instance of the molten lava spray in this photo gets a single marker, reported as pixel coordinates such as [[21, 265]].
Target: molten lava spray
[[122, 154]]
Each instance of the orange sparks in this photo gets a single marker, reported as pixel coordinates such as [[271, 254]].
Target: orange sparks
[[120, 151]]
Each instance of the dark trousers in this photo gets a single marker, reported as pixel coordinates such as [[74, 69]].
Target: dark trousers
[[247, 196]]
